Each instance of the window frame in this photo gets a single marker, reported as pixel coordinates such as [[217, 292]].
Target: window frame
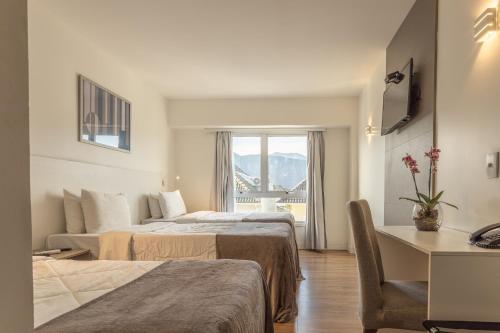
[[264, 169]]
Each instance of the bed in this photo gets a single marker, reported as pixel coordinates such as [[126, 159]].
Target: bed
[[218, 296], [221, 217], [271, 245], [170, 207]]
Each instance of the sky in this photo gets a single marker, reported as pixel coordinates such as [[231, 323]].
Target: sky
[[244, 145]]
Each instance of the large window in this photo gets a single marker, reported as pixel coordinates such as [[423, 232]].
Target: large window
[[270, 173]]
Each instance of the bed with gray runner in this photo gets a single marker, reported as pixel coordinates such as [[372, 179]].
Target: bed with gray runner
[[214, 296]]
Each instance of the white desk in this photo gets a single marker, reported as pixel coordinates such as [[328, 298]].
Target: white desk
[[464, 280]]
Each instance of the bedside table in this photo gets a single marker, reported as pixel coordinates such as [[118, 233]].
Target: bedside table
[[77, 254]]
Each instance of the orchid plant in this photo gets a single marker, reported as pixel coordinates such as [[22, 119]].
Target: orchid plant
[[427, 202]]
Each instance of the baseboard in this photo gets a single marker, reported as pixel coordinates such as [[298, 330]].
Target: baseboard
[[335, 247]]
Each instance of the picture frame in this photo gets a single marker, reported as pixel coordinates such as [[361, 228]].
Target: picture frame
[[104, 116]]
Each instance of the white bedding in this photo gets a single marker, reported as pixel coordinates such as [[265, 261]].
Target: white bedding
[[60, 286], [211, 216]]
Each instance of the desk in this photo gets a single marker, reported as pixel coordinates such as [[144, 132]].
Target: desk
[[464, 280]]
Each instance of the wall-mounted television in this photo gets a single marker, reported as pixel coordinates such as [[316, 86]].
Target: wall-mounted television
[[398, 99]]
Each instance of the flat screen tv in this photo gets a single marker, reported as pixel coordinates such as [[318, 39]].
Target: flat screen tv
[[397, 110]]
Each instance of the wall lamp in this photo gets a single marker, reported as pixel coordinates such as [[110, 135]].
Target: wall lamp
[[486, 25], [370, 130]]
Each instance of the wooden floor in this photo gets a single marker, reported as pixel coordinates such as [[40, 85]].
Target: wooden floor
[[328, 298]]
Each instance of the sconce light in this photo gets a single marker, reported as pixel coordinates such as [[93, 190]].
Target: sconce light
[[370, 130], [486, 25]]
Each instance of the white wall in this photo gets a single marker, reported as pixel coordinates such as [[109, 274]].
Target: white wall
[[57, 56], [336, 112], [16, 302], [194, 157], [195, 146], [468, 115], [372, 148]]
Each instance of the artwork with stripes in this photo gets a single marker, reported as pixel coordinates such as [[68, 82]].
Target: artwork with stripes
[[104, 116]]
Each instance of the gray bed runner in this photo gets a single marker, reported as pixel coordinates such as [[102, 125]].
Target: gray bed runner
[[271, 246]]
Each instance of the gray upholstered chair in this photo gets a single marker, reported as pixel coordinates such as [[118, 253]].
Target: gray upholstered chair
[[384, 304]]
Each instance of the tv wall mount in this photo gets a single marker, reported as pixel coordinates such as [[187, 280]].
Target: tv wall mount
[[394, 77]]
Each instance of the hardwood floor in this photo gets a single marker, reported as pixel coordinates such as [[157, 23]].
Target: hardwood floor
[[328, 298]]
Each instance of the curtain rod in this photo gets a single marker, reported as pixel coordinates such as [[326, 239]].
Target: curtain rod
[[265, 129]]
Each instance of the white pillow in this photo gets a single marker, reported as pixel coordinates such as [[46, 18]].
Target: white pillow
[[75, 223], [171, 204], [105, 211], [154, 206]]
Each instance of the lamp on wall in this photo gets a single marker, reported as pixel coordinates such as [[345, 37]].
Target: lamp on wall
[[486, 25], [370, 130]]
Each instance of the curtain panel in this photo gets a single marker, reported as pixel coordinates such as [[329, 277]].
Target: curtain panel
[[224, 172], [315, 217]]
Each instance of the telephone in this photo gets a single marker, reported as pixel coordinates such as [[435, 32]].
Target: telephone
[[487, 237]]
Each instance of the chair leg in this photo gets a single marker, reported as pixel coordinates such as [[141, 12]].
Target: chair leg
[[365, 330]]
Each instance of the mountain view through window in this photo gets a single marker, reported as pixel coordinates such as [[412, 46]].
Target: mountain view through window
[[270, 174]]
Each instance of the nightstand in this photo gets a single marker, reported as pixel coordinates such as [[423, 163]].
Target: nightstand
[[77, 254]]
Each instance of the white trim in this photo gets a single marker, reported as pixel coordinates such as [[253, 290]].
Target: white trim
[[294, 130], [269, 135], [264, 164], [270, 194]]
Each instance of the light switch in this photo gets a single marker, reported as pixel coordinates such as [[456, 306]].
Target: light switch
[[492, 165]]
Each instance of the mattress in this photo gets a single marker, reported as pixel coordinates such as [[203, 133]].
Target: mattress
[[91, 241], [75, 241]]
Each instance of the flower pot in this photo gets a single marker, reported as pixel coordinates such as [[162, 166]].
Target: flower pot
[[427, 219]]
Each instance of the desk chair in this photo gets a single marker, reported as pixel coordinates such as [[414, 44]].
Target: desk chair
[[384, 304]]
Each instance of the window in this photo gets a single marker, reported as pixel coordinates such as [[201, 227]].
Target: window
[[270, 173]]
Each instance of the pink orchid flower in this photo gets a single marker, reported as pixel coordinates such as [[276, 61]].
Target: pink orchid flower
[[411, 164], [433, 155]]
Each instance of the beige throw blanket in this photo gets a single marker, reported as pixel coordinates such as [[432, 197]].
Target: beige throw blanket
[[127, 245], [150, 246], [115, 245]]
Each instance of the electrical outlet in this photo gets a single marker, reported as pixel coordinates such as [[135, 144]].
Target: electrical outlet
[[492, 165]]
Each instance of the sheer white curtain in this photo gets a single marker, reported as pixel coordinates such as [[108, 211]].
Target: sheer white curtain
[[315, 218], [224, 172]]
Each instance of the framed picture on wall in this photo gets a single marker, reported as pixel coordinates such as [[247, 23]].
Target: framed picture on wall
[[104, 117]]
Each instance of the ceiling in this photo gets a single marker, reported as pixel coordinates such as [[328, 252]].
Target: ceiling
[[242, 48]]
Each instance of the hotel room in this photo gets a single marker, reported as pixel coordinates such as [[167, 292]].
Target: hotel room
[[249, 166]]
